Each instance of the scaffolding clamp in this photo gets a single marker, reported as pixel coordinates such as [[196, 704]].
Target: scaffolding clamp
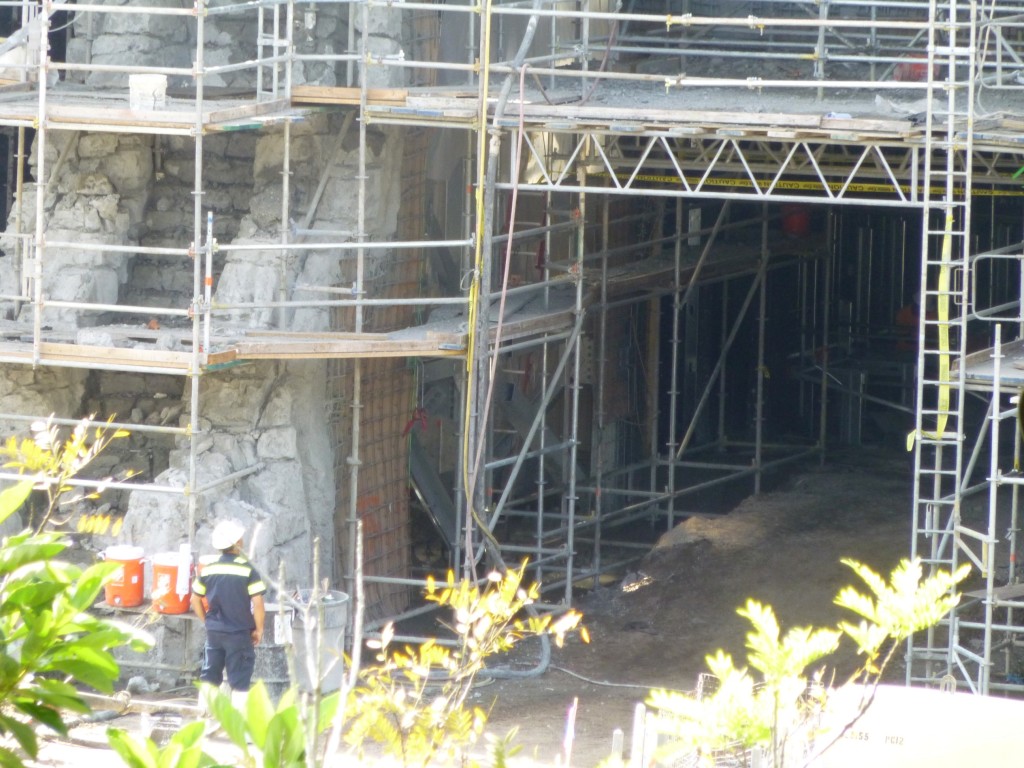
[[685, 20]]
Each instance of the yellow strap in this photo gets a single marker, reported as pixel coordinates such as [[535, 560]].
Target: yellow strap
[[942, 313]]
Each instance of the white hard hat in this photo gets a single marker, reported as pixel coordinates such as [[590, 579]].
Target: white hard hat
[[227, 534]]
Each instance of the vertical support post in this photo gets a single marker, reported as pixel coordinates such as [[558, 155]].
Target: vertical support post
[[600, 362], [720, 437], [488, 144], [353, 460], [207, 290], [819, 49], [673, 390], [761, 308], [195, 370], [41, 182], [823, 342], [989, 543], [286, 177], [574, 391], [20, 263]]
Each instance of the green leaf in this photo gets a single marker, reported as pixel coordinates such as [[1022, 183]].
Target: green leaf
[[101, 662], [27, 597], [170, 756], [9, 759], [86, 673], [134, 753], [22, 733], [48, 716], [328, 709], [190, 734], [259, 712], [58, 694], [230, 719], [284, 743], [273, 749], [37, 549], [12, 498], [90, 583]]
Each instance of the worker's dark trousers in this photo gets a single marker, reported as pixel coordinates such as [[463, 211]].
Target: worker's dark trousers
[[230, 651]]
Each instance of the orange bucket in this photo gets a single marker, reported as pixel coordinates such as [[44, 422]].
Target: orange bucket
[[125, 589], [166, 595]]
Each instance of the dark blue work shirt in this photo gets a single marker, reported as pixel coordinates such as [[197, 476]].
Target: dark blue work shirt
[[229, 586]]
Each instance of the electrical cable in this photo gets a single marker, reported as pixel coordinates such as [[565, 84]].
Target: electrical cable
[[609, 684], [485, 202]]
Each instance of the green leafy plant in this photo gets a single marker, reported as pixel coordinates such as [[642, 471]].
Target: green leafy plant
[[264, 735], [184, 750], [413, 703], [410, 705], [49, 643], [52, 461], [777, 709]]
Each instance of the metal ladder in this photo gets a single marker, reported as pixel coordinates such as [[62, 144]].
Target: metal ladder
[[940, 539], [273, 40]]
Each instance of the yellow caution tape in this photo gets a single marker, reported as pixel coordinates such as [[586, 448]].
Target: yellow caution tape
[[789, 185]]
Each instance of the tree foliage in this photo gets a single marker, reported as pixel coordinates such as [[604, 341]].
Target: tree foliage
[[49, 642], [774, 703], [50, 462], [410, 705]]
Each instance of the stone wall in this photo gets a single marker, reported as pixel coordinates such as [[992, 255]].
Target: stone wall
[[169, 219], [97, 193], [229, 38], [271, 417]]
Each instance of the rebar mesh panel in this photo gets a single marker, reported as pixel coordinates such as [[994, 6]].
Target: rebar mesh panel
[[385, 408]]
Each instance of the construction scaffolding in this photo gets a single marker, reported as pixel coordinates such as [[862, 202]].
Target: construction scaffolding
[[650, 216]]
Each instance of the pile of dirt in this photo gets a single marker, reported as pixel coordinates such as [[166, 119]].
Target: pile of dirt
[[679, 604]]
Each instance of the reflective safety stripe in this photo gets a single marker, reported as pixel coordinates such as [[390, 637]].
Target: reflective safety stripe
[[257, 588], [226, 569]]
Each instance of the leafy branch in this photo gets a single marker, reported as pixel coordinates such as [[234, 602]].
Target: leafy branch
[[50, 463], [784, 703]]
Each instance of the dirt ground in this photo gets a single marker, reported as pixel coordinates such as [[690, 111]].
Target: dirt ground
[[781, 547]]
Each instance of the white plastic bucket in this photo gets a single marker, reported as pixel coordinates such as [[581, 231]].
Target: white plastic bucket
[[147, 92]]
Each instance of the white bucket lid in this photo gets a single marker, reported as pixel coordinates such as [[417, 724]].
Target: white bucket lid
[[124, 552], [167, 558]]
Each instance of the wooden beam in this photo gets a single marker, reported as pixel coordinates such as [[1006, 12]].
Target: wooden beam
[[328, 335], [254, 350], [324, 94], [99, 357]]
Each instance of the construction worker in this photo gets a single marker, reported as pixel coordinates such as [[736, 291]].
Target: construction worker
[[907, 322], [233, 612]]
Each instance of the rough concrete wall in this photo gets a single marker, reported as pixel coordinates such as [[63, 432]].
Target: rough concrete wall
[[229, 38], [383, 41], [118, 188], [97, 193], [168, 221], [321, 30], [117, 38], [258, 276], [265, 414], [257, 415], [39, 392]]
